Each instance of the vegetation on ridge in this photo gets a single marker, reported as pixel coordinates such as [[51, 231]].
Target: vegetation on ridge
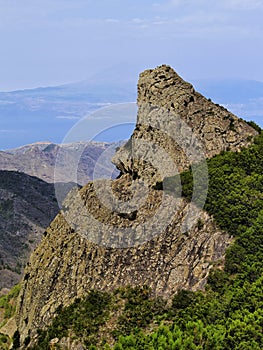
[[7, 304], [7, 311]]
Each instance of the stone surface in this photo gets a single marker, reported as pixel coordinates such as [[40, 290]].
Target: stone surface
[[9, 328], [67, 265], [103, 242], [175, 119]]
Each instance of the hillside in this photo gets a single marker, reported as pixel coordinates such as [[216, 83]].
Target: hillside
[[159, 239], [27, 206], [40, 159]]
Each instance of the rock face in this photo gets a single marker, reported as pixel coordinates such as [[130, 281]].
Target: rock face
[[179, 120], [139, 235]]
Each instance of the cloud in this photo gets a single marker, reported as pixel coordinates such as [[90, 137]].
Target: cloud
[[243, 4], [112, 20], [8, 131], [6, 102], [138, 20], [225, 19], [69, 117], [234, 4], [223, 7], [63, 40]]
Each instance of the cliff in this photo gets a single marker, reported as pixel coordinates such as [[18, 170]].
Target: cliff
[[173, 117], [139, 235]]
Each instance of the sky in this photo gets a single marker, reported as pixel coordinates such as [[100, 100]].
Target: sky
[[51, 42]]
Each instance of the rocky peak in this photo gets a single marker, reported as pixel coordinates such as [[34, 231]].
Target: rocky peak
[[176, 119], [158, 83], [95, 243]]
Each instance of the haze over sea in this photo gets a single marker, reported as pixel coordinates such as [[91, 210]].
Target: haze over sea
[[104, 45]]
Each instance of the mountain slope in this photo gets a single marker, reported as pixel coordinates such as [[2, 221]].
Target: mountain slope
[[40, 160], [164, 245], [27, 205]]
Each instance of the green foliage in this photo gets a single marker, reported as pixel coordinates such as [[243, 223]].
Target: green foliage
[[7, 309], [255, 126], [218, 281], [184, 299], [139, 310], [82, 319], [8, 302]]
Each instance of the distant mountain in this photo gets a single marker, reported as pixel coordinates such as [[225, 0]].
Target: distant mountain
[[28, 116], [27, 205], [40, 159]]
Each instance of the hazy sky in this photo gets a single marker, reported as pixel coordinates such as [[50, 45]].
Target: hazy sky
[[48, 42]]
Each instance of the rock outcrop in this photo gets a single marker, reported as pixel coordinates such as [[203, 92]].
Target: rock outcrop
[[179, 120], [158, 239]]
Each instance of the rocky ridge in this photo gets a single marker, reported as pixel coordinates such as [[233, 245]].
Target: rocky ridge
[[81, 248]]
